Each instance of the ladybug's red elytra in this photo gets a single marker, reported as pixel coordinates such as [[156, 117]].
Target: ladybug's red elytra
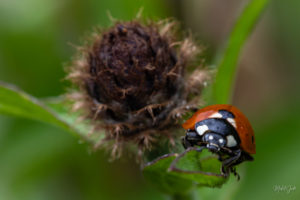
[[224, 130]]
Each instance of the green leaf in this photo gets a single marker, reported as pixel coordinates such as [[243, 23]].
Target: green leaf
[[203, 168], [61, 107], [156, 172], [173, 173], [17, 103], [227, 65]]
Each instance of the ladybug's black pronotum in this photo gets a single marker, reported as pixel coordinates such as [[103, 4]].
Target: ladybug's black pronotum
[[224, 130]]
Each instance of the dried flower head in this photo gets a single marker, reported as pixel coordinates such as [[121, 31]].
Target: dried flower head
[[131, 82]]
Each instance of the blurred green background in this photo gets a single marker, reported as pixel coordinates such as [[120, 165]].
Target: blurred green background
[[38, 161]]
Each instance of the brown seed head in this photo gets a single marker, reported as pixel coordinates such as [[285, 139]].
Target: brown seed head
[[131, 81]]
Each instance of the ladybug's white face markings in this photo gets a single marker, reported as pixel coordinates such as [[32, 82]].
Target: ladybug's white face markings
[[211, 137], [221, 141], [232, 122], [201, 129], [216, 115], [231, 142]]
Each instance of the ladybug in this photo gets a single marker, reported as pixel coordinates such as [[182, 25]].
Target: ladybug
[[223, 129]]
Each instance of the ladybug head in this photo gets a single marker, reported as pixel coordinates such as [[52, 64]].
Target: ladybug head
[[218, 134], [214, 141]]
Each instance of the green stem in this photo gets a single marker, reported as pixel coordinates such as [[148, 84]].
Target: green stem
[[227, 65]]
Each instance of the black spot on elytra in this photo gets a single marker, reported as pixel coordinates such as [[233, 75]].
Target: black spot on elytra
[[226, 114]]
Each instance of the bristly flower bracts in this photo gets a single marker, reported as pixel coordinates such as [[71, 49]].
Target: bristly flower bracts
[[132, 82]]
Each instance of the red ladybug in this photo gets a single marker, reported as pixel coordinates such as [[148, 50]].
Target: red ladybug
[[224, 130]]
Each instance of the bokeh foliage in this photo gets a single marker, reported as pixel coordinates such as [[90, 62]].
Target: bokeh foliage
[[38, 161]]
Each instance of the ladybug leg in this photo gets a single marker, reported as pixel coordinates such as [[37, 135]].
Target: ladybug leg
[[190, 139], [225, 171], [221, 157], [230, 162], [185, 143], [200, 149], [233, 170]]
